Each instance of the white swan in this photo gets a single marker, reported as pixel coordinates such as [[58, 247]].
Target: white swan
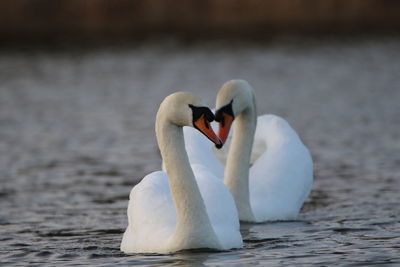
[[280, 179], [172, 211]]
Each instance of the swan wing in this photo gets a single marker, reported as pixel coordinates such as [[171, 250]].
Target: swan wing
[[220, 207], [281, 178], [151, 215]]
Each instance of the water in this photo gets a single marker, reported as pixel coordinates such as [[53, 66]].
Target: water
[[77, 132]]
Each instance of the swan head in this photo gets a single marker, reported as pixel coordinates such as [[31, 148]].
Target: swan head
[[233, 98], [184, 109]]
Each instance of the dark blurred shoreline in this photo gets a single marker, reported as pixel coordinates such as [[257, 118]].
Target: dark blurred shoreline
[[90, 22], [174, 41]]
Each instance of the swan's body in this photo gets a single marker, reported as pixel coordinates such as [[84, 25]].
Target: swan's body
[[174, 210], [280, 178]]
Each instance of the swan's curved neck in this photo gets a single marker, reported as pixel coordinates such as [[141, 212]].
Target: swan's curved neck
[[236, 175], [193, 224]]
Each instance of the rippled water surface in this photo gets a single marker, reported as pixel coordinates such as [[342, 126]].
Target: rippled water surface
[[77, 133]]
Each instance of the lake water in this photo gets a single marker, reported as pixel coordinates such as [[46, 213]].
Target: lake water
[[77, 133]]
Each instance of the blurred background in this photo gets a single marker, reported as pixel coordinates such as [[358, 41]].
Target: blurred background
[[102, 20], [81, 82]]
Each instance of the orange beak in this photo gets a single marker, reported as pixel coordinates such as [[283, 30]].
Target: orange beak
[[224, 127], [204, 127]]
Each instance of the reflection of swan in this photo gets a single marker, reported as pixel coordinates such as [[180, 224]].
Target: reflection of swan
[[173, 211], [278, 182]]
